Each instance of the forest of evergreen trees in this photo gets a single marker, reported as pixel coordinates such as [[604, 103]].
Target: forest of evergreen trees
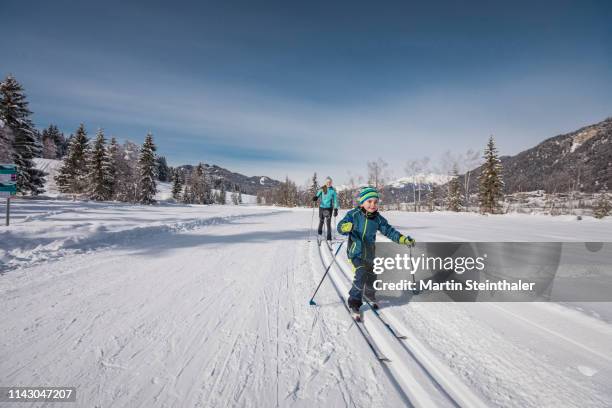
[[99, 169], [95, 169]]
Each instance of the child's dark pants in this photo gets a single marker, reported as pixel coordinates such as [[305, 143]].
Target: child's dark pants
[[364, 280]]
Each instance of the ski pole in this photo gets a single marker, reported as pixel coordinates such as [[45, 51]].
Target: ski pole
[[414, 291], [312, 302], [334, 229], [311, 222]]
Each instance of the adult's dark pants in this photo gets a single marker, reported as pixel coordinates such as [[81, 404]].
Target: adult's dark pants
[[325, 214], [363, 281]]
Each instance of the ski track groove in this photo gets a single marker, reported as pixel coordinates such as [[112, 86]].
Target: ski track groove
[[550, 331], [187, 327], [342, 379], [411, 354]]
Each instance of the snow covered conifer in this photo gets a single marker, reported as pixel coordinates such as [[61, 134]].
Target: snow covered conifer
[[200, 187], [454, 195], [432, 198], [127, 172], [72, 177], [6, 143], [196, 185], [603, 206], [177, 185], [188, 195], [113, 155], [147, 166], [491, 181], [314, 186], [236, 195], [163, 171], [101, 183], [222, 194], [52, 143], [15, 114]]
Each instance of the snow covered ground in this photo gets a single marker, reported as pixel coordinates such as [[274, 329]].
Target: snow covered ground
[[175, 305]]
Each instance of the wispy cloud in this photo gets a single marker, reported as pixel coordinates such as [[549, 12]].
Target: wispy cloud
[[266, 128]]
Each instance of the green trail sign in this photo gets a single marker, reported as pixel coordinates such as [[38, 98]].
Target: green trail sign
[[8, 185], [8, 169]]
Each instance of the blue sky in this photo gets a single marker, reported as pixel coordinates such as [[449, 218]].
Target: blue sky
[[281, 89]]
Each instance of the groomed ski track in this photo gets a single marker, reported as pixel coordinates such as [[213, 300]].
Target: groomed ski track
[[207, 306], [214, 314], [421, 379]]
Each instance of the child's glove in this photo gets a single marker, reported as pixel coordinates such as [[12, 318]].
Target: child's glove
[[408, 241], [335, 212], [346, 227], [315, 198]]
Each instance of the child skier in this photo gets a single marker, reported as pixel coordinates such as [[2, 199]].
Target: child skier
[[361, 225], [329, 205]]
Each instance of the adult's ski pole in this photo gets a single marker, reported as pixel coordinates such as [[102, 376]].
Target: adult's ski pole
[[311, 223], [312, 302], [334, 229]]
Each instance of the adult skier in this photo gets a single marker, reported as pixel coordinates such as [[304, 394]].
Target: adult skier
[[361, 225], [327, 206]]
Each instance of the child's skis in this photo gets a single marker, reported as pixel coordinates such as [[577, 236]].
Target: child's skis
[[384, 321], [358, 322], [366, 334]]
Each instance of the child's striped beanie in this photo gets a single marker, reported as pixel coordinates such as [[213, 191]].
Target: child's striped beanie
[[366, 193]]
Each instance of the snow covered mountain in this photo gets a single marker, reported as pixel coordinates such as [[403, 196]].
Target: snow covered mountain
[[248, 184], [580, 160], [421, 178]]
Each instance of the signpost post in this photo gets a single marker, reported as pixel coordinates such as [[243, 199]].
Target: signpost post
[[8, 186]]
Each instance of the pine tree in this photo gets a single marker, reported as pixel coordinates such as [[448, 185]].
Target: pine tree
[[48, 145], [314, 186], [127, 172], [491, 181], [197, 184], [222, 195], [163, 171], [207, 197], [200, 186], [454, 194], [62, 146], [235, 197], [147, 167], [432, 198], [113, 153], [15, 114], [177, 186], [6, 143], [52, 143], [603, 207], [72, 177], [100, 184], [188, 197]]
